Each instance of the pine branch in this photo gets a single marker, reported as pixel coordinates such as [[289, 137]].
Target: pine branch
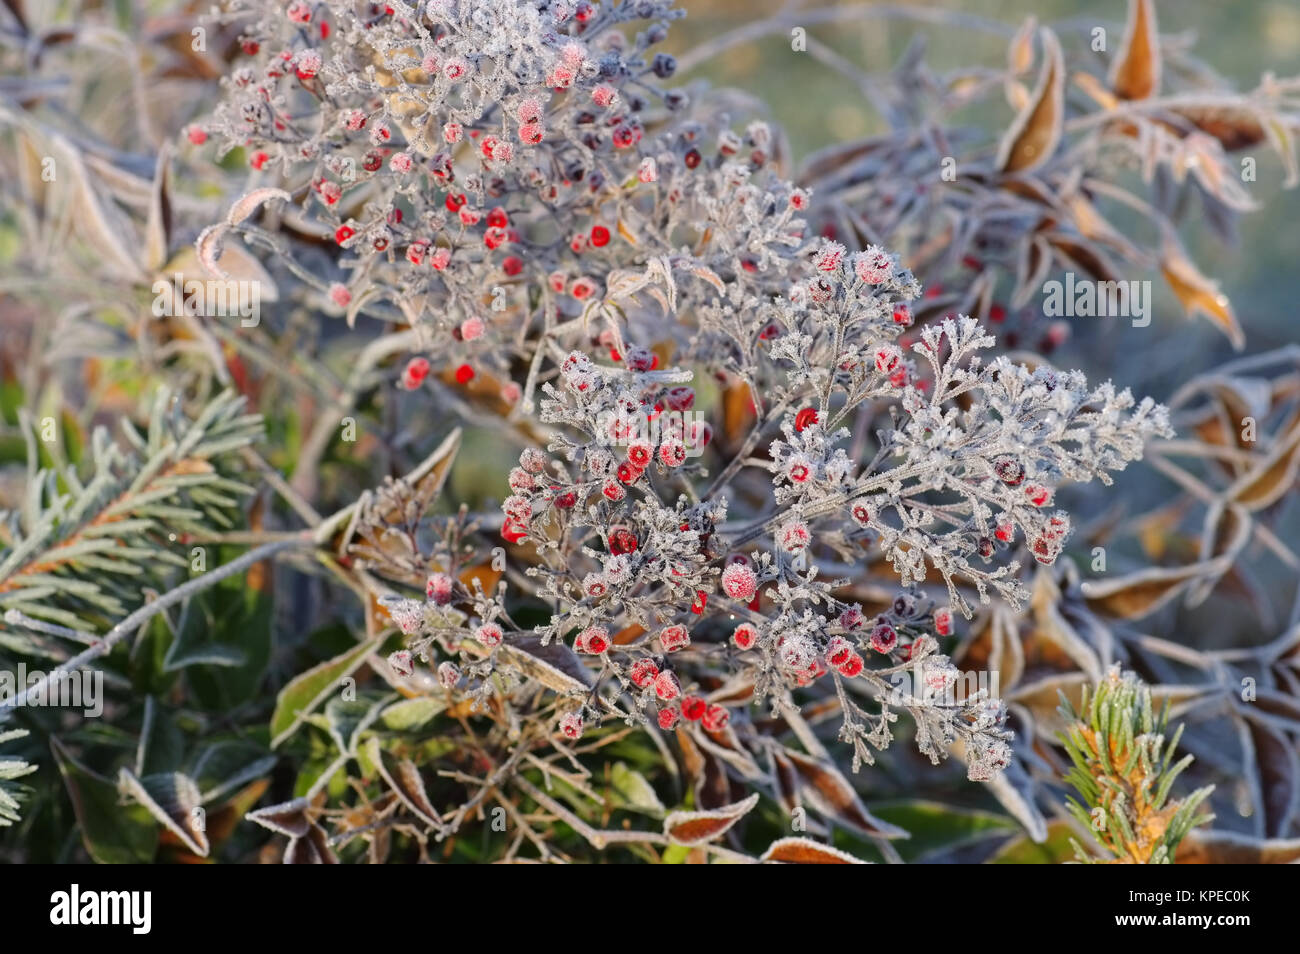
[[81, 552], [10, 769], [1122, 769]]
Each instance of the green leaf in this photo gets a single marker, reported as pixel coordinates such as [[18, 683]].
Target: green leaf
[[306, 691], [936, 827], [629, 789], [161, 743], [1056, 850], [113, 833], [227, 765], [409, 714], [347, 719]]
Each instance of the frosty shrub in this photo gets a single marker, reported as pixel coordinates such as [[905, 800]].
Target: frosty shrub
[[594, 483]]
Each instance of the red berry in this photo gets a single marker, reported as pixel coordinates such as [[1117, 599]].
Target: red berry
[[668, 718], [884, 638], [673, 638], [571, 725], [716, 718], [851, 666], [740, 582], [693, 708], [343, 233], [943, 621], [643, 673], [259, 160], [599, 236], [622, 540], [667, 687], [513, 265], [464, 374], [744, 636], [593, 640], [1038, 495], [804, 418]]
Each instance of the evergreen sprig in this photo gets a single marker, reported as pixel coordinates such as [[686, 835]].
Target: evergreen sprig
[[1124, 770], [79, 551], [11, 767]]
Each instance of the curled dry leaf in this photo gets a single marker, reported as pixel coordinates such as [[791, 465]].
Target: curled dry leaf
[[1034, 135], [404, 779], [826, 789], [1271, 478], [249, 203], [805, 851], [1139, 594], [1020, 51], [287, 818], [1135, 73], [1278, 772], [158, 229], [1202, 847], [1197, 293], [173, 799], [698, 828]]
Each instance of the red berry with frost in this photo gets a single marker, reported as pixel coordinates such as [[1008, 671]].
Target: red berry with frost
[[888, 358], [838, 651], [489, 634], [943, 621], [851, 667], [884, 638], [794, 536], [340, 295], [680, 398], [667, 687], [593, 641], [805, 418], [673, 638], [571, 725], [1038, 495], [439, 588], [401, 662], [1009, 471], [744, 636], [643, 673], [448, 675], [740, 582], [693, 708], [715, 718], [673, 453], [668, 717]]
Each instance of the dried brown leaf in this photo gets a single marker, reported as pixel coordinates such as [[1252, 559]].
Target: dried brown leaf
[[1135, 73], [1036, 131]]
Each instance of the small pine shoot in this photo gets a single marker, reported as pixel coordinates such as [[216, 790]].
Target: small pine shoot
[[1124, 770]]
